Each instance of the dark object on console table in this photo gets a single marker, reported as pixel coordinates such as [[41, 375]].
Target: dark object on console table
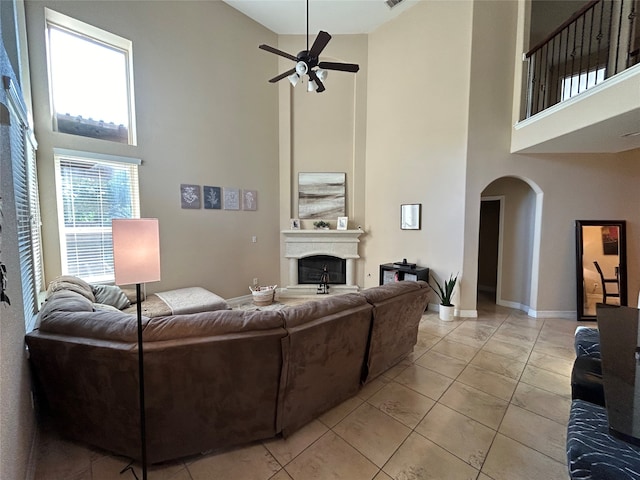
[[395, 272]]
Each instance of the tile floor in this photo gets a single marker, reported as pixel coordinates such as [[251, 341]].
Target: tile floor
[[478, 399]]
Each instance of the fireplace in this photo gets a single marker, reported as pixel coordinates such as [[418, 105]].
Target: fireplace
[[332, 247], [310, 269]]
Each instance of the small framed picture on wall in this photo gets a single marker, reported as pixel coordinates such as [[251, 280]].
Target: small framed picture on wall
[[342, 223], [189, 196]]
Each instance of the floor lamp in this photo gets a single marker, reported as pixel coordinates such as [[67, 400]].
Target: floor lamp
[[136, 259]]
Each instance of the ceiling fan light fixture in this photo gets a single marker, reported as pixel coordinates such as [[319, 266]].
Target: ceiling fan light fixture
[[322, 74], [301, 68], [312, 86], [294, 78]]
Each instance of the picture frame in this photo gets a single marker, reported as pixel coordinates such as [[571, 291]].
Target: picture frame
[[212, 197], [321, 195], [250, 200], [231, 198], [189, 196], [294, 224], [342, 223], [411, 216], [610, 240]]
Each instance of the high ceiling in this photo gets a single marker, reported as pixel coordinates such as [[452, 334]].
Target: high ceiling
[[289, 17]]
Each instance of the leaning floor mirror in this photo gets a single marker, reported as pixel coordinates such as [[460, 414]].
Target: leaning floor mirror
[[601, 265]]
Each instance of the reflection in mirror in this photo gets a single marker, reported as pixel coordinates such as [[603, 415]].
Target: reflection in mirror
[[601, 265]]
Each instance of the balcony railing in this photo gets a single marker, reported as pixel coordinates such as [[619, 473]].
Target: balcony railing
[[598, 41]]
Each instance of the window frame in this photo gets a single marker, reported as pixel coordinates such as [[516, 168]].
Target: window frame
[[88, 158], [101, 37]]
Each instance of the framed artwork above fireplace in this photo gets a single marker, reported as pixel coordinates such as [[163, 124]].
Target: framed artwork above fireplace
[[321, 195]]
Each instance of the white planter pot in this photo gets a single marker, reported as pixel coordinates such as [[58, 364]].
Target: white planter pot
[[447, 313]]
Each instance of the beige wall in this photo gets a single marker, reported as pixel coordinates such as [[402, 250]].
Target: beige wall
[[205, 115], [417, 117]]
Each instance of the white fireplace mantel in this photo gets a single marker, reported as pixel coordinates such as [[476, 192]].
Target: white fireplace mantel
[[336, 243]]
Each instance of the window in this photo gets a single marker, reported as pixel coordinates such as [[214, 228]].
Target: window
[[27, 204], [90, 80], [91, 190], [572, 86]]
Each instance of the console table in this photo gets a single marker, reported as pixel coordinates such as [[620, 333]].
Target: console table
[[395, 272]]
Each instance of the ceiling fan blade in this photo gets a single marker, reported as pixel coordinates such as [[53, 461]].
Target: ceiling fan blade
[[343, 67], [321, 41], [277, 52], [314, 77], [282, 75]]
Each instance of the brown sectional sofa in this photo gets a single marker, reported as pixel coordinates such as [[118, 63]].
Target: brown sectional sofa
[[214, 379]]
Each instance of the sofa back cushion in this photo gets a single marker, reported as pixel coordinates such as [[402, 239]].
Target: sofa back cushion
[[74, 284], [219, 322], [323, 357]]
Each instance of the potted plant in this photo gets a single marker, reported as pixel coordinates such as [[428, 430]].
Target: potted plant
[[321, 225], [444, 293]]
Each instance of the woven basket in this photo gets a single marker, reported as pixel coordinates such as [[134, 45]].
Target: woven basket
[[263, 296]]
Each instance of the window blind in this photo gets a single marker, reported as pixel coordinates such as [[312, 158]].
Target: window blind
[[25, 186], [90, 194]]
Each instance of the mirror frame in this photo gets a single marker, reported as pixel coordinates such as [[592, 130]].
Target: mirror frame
[[411, 216], [622, 254]]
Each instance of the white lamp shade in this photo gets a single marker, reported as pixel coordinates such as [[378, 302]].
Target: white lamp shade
[[136, 250], [312, 86], [293, 79], [301, 68], [322, 74]]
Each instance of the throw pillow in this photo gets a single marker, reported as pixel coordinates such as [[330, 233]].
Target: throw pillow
[[110, 295]]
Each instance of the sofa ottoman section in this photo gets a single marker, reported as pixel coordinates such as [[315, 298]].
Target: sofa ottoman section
[[397, 310], [323, 357]]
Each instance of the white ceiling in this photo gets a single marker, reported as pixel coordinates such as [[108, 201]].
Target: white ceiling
[[289, 17]]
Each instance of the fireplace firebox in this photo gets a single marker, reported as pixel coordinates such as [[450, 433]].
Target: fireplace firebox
[[310, 269]]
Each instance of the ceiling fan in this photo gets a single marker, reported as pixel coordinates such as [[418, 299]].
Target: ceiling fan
[[308, 59]]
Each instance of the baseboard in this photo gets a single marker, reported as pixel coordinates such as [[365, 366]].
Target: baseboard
[[510, 304], [552, 314]]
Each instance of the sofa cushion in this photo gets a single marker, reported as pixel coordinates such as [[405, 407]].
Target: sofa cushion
[[204, 324], [313, 310], [103, 325], [64, 301], [74, 284], [385, 292], [110, 295], [594, 454], [587, 342]]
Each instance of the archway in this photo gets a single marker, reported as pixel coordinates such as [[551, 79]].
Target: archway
[[509, 243]]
